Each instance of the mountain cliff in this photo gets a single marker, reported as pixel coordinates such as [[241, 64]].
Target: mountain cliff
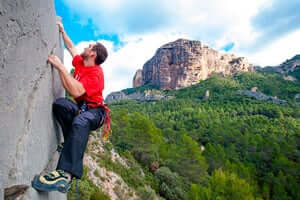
[[290, 68], [184, 62]]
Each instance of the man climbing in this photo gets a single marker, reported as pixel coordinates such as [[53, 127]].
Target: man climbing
[[76, 119]]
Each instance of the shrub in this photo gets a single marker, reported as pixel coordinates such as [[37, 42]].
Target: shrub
[[171, 185], [99, 196]]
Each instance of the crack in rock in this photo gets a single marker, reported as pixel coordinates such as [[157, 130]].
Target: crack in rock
[[15, 192]]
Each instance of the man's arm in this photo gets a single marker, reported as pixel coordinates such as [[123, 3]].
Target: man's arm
[[68, 42], [73, 87]]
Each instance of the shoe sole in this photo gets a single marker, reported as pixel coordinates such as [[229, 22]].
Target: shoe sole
[[36, 184]]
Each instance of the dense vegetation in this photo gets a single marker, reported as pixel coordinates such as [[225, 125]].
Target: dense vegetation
[[227, 147], [295, 73]]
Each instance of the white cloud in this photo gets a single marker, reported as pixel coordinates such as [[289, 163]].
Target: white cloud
[[122, 63], [144, 26], [277, 52], [215, 22]]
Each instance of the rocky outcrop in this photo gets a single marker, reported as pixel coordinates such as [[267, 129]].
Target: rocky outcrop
[[290, 65], [28, 33], [206, 96], [138, 78], [109, 181], [289, 78], [286, 67], [297, 99], [183, 63], [260, 96], [146, 95]]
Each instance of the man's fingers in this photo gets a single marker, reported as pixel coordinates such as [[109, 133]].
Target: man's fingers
[[51, 58], [60, 25]]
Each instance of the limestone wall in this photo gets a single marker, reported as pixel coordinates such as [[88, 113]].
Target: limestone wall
[[28, 86]]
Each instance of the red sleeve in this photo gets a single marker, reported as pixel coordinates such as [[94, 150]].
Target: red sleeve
[[77, 60], [91, 84]]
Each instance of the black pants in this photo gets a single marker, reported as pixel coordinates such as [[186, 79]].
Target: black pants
[[76, 130]]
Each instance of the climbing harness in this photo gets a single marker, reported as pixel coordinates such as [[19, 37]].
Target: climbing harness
[[107, 128]]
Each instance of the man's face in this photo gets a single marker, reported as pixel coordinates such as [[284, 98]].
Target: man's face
[[87, 51]]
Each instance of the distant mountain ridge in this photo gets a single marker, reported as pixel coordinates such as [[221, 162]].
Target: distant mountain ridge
[[290, 68], [183, 63]]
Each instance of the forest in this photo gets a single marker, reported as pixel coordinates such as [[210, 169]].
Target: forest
[[228, 146], [224, 147]]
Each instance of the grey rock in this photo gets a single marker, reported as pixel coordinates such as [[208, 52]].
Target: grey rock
[[297, 96], [29, 135], [206, 97], [147, 95], [261, 96], [115, 96], [289, 78]]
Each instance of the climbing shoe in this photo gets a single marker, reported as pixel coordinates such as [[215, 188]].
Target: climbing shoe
[[54, 181]]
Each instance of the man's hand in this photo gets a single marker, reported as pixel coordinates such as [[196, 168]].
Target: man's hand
[[55, 61], [60, 27], [68, 42]]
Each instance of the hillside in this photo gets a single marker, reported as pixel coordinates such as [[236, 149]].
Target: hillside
[[224, 146]]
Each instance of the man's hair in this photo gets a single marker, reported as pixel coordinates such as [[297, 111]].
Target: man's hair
[[101, 53]]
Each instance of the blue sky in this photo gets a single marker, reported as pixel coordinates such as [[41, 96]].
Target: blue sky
[[77, 29], [265, 31]]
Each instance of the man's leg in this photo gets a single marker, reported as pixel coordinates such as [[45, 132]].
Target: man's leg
[[71, 159], [64, 111]]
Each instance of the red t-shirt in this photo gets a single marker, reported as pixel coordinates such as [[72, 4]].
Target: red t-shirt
[[92, 79]]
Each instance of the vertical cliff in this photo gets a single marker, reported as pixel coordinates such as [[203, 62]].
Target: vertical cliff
[[183, 63], [28, 86]]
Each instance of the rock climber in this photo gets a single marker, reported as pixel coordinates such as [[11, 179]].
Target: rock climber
[[78, 118]]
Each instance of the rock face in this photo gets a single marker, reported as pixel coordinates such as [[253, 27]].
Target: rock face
[[138, 78], [183, 63], [28, 33]]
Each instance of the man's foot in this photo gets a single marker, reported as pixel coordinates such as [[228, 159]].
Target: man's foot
[[54, 181]]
